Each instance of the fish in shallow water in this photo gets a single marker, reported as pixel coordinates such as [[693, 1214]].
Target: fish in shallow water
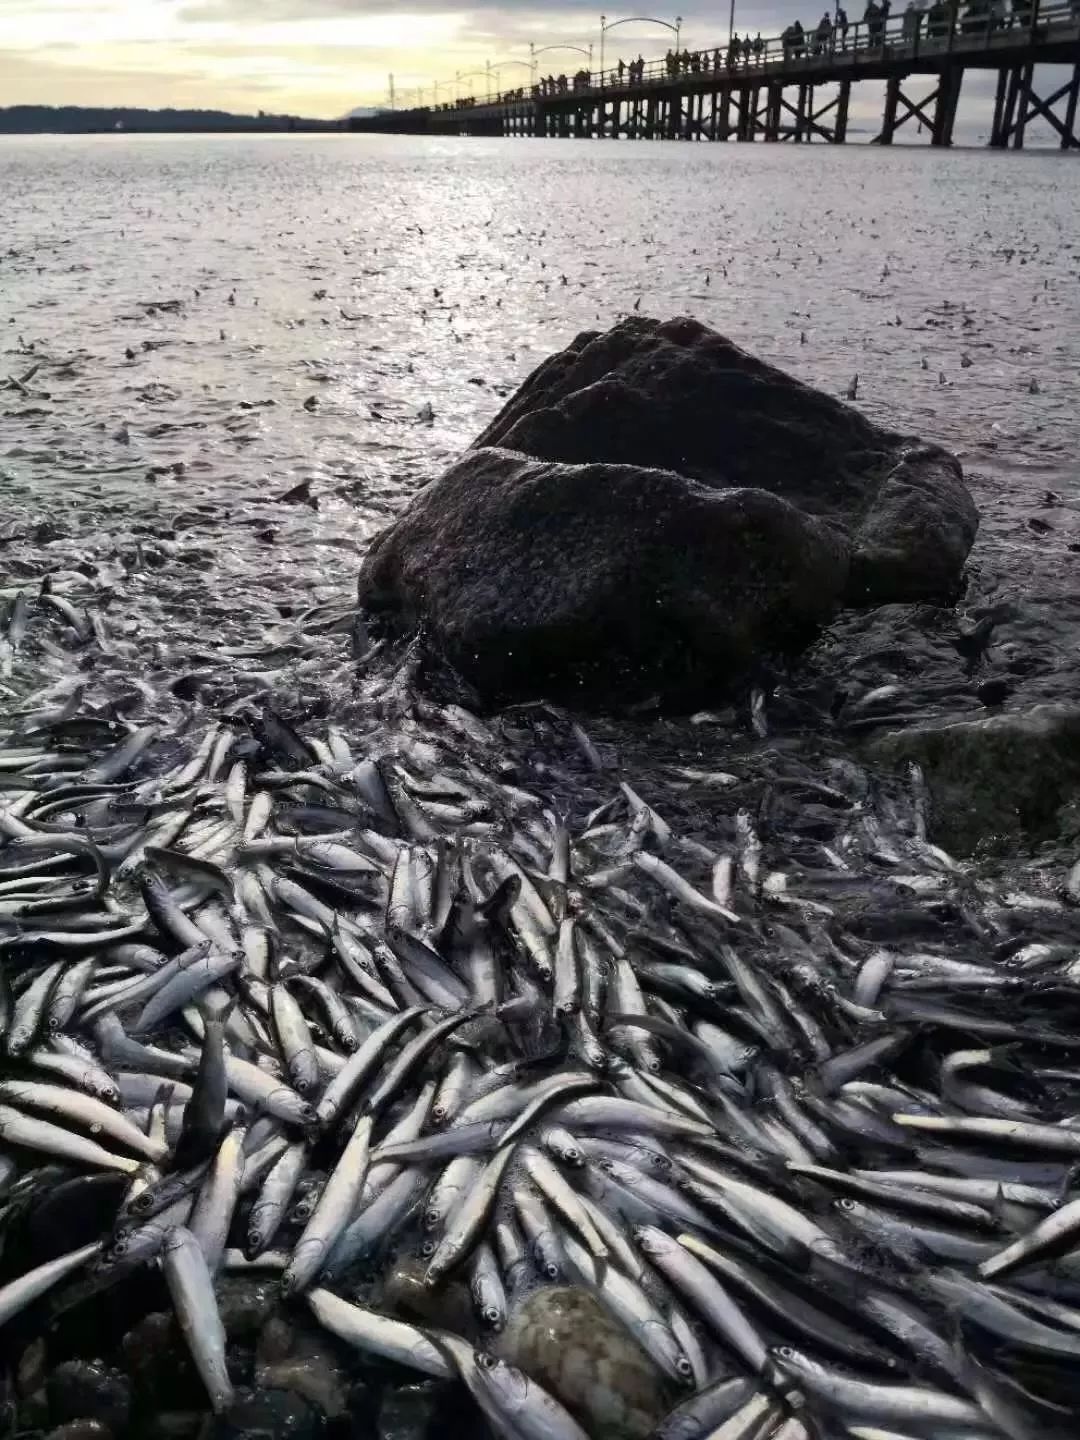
[[320, 995]]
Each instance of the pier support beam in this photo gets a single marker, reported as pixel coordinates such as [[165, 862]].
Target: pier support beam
[[939, 120], [1031, 106], [843, 99], [888, 123], [996, 128]]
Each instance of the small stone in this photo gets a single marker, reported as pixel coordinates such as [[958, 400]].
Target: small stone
[[410, 1412], [173, 1425], [299, 1359], [246, 1304], [80, 1389], [405, 1296], [81, 1430], [565, 1339], [266, 1415], [30, 1373]]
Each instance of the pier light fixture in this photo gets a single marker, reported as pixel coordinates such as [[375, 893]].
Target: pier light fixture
[[605, 25]]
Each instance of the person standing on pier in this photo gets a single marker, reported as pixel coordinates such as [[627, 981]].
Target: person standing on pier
[[759, 47], [842, 26], [823, 35]]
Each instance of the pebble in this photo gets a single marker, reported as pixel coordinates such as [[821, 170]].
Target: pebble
[[88, 1390], [570, 1344], [266, 1415]]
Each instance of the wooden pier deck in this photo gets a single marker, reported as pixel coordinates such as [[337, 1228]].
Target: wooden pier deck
[[775, 92]]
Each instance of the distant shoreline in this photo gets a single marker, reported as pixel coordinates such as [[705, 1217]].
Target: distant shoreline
[[125, 120]]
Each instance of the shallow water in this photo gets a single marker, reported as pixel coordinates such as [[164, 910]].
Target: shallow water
[[216, 321], [373, 276]]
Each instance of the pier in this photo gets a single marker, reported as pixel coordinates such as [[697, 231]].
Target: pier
[[796, 91]]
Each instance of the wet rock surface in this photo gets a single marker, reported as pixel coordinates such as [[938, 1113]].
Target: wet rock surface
[[78, 1390], [602, 582], [572, 1346], [995, 778], [265, 1414], [676, 395]]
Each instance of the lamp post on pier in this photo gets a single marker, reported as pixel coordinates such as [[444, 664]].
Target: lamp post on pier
[[501, 65], [606, 25], [546, 49]]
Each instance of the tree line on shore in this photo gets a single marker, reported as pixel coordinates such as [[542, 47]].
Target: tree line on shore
[[83, 120]]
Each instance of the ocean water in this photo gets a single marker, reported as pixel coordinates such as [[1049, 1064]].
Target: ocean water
[[199, 324]]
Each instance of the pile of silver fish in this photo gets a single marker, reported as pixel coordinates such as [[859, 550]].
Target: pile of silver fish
[[799, 1104]]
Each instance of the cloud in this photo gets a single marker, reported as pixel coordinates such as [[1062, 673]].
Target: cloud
[[323, 57]]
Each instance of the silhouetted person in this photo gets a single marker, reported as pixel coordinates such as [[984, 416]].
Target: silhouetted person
[[842, 26], [759, 47]]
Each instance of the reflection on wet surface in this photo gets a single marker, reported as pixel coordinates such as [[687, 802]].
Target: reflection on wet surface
[[199, 325]]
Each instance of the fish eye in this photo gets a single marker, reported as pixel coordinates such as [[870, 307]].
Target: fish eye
[[846, 1204], [431, 1218], [438, 1112], [551, 1270], [684, 1367], [485, 1361], [786, 1352], [428, 1248], [142, 1202], [491, 1316]]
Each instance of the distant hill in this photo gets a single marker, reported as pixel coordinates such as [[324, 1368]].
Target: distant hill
[[82, 120]]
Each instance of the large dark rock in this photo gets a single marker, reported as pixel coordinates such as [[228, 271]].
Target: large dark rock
[[654, 511], [678, 396], [602, 582]]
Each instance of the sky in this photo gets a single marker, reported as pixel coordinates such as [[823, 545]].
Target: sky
[[316, 57], [323, 58]]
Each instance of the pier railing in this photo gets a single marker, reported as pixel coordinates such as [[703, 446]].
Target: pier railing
[[935, 34]]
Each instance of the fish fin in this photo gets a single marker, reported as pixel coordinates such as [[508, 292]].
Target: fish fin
[[499, 902]]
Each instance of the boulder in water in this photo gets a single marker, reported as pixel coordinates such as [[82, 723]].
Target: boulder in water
[[675, 395], [602, 583], [652, 513], [994, 778]]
